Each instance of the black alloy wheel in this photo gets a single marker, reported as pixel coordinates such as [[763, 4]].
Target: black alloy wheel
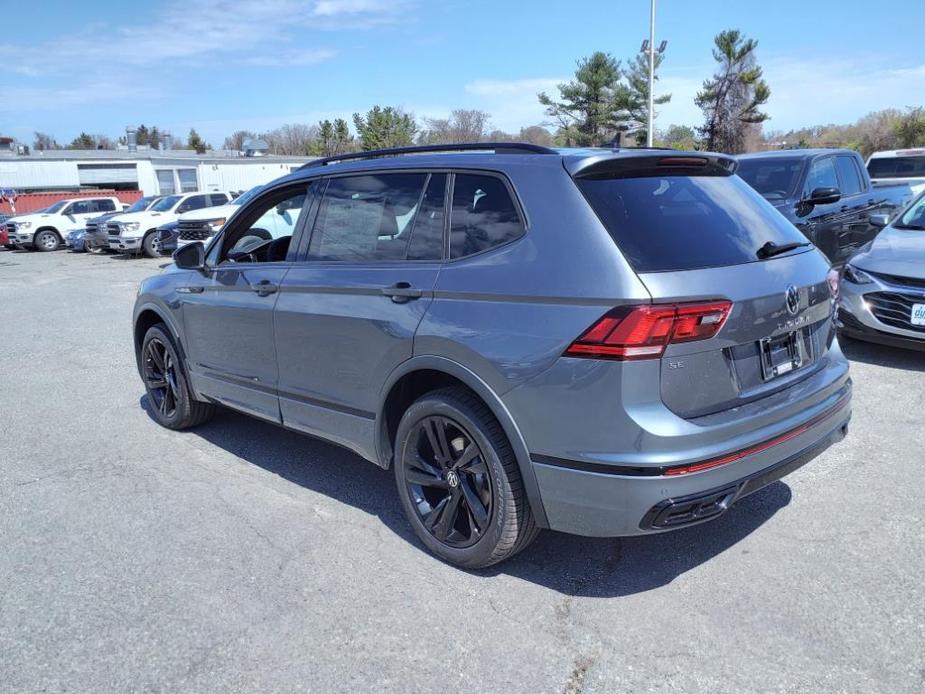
[[448, 481], [160, 374], [459, 481]]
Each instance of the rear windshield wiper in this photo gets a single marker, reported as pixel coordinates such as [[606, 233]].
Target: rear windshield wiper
[[770, 249]]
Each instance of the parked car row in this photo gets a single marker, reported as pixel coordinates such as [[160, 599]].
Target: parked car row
[[871, 230], [103, 224]]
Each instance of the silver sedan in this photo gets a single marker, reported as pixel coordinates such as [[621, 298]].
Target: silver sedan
[[881, 295]]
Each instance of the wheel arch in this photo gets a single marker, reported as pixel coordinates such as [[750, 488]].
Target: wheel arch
[[149, 314], [418, 375]]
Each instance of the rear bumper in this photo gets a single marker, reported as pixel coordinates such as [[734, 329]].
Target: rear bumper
[[604, 504]]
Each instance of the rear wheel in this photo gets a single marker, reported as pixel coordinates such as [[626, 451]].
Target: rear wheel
[[46, 240], [149, 245], [458, 480], [172, 403]]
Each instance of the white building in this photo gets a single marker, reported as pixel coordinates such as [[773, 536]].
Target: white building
[[154, 172]]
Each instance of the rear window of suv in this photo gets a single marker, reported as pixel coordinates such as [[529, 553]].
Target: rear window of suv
[[669, 223]]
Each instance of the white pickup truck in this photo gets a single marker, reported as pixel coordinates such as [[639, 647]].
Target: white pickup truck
[[137, 232], [898, 166], [202, 225], [46, 230]]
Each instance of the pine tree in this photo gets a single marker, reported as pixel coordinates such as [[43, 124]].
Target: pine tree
[[385, 127], [731, 99], [592, 106]]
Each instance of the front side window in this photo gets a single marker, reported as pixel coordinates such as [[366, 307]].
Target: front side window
[[263, 232], [483, 215], [848, 177], [80, 207], [367, 218], [196, 202], [821, 175], [914, 217]]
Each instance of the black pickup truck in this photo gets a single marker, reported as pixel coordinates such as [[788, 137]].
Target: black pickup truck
[[827, 194]]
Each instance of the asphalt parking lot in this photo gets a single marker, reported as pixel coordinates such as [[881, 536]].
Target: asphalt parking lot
[[242, 557]]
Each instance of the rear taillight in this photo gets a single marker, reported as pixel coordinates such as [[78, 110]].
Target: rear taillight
[[643, 332]]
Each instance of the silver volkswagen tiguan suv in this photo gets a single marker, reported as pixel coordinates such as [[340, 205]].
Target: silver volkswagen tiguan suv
[[602, 342]]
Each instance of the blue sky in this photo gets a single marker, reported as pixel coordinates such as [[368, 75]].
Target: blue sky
[[219, 66]]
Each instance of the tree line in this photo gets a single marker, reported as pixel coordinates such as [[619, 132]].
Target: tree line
[[605, 103]]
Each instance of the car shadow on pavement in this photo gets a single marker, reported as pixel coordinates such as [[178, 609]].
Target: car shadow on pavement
[[568, 564], [882, 355]]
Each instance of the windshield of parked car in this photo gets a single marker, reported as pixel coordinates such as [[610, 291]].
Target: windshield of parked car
[[897, 167], [142, 204], [775, 179], [165, 204], [914, 216], [667, 223], [245, 197], [55, 208]]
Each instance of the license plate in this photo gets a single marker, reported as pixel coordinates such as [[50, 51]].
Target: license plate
[[918, 314], [783, 354]]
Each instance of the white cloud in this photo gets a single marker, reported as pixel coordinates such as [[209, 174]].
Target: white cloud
[[289, 58], [511, 103], [197, 32]]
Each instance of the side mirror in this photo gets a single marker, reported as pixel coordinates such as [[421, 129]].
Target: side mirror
[[879, 220], [191, 256], [823, 196]]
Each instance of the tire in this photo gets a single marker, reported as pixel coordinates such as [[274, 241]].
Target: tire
[[148, 245], [166, 383], [470, 474], [46, 240], [97, 250]]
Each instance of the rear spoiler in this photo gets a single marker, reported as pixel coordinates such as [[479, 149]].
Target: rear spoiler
[[652, 163]]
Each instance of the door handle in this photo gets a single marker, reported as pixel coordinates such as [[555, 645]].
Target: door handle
[[264, 288], [402, 292]]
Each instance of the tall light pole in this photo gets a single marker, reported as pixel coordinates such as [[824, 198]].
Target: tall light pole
[[648, 47]]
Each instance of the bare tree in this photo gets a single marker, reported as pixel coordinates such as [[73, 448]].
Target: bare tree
[[295, 139], [236, 140], [463, 125], [43, 142]]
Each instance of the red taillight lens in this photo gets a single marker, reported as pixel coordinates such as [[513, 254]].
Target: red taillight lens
[[643, 332]]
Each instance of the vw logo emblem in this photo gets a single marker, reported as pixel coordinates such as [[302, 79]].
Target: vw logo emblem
[[793, 300], [452, 478]]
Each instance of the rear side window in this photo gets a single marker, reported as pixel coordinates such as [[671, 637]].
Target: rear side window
[[665, 223], [217, 199], [483, 215], [367, 218], [427, 232], [105, 206], [848, 176], [896, 167]]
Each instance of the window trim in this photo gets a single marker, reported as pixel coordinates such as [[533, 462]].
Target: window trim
[[825, 157], [451, 172]]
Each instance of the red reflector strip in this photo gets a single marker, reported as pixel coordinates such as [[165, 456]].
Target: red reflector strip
[[770, 443]]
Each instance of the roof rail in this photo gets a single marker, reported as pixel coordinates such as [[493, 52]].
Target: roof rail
[[496, 147]]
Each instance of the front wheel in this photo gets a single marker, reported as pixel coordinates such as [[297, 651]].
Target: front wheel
[[459, 482], [46, 241], [149, 245], [172, 403]]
